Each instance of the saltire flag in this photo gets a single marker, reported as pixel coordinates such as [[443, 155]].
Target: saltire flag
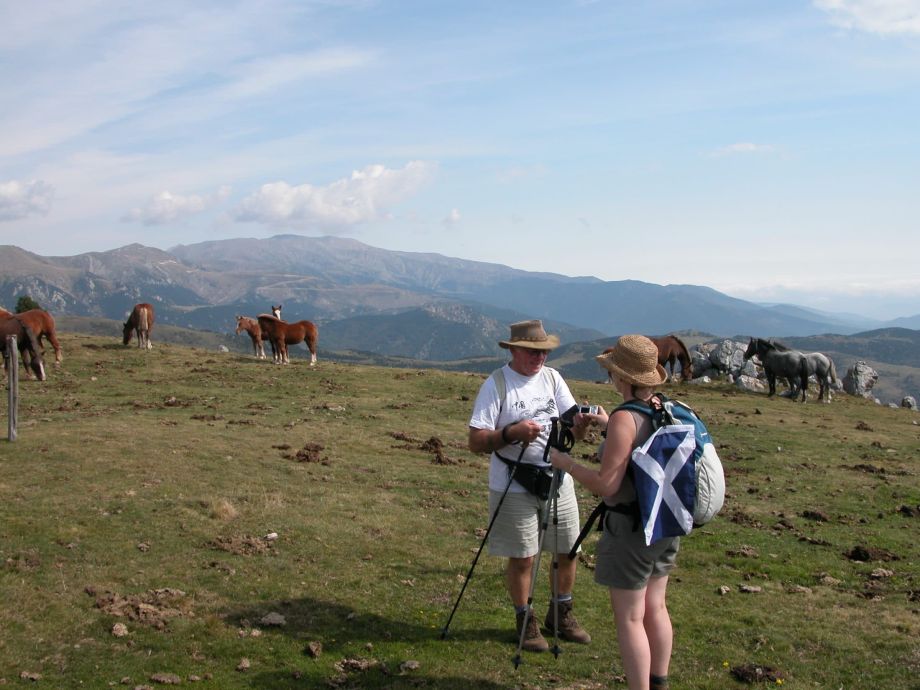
[[665, 480]]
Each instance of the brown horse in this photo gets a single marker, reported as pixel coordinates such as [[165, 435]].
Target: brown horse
[[140, 322], [26, 341], [42, 325], [251, 326], [281, 334], [671, 351]]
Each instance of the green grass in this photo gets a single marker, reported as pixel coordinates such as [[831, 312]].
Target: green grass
[[136, 472]]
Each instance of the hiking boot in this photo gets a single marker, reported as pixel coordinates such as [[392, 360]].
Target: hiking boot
[[569, 628], [533, 640]]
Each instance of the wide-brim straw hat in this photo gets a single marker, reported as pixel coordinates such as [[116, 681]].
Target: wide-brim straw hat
[[634, 359], [530, 334]]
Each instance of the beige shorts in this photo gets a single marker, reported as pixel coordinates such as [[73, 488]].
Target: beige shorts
[[515, 532]]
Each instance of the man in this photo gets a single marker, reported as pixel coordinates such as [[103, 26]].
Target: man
[[514, 427]]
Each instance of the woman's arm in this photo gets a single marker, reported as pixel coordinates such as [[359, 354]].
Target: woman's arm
[[621, 435]]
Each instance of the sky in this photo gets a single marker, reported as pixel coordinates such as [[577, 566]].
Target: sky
[[768, 150]]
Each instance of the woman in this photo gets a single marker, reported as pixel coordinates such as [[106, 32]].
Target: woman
[[636, 574]]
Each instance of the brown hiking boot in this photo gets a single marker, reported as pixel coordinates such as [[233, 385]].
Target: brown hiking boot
[[569, 628], [533, 640]]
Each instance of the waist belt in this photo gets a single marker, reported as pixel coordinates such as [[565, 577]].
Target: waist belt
[[535, 479]]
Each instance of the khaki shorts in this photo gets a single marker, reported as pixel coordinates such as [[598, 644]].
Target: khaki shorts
[[515, 532], [623, 559]]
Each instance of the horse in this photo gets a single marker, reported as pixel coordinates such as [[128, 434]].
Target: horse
[[251, 326], [140, 322], [671, 350], [42, 325], [789, 364], [281, 334], [26, 341], [820, 366]]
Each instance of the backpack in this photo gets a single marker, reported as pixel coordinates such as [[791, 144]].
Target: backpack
[[677, 472], [671, 499]]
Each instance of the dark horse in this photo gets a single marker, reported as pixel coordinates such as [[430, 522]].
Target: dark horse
[[26, 341], [281, 334], [789, 364], [820, 366], [140, 322]]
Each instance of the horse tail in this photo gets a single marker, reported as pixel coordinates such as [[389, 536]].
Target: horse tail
[[833, 370]]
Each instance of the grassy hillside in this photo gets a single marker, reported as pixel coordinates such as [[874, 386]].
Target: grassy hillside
[[146, 489]]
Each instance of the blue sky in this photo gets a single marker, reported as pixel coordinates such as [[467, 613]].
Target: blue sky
[[769, 150]]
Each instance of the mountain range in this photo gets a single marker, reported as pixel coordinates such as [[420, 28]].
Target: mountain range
[[331, 280]]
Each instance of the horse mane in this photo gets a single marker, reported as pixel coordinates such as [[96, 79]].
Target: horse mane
[[777, 345], [682, 346]]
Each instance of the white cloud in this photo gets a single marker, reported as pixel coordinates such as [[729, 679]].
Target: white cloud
[[742, 148], [167, 207], [452, 218], [364, 196], [22, 199], [874, 16]]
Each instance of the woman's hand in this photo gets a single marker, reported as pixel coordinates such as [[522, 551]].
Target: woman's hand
[[587, 418]]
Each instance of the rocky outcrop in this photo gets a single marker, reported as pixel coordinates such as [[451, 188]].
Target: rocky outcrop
[[859, 380]]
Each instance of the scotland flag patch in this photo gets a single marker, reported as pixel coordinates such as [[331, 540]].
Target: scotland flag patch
[[665, 479]]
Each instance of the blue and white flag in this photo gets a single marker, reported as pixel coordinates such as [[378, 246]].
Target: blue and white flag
[[665, 480]]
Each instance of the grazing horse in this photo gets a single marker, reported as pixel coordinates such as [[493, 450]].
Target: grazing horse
[[671, 350], [42, 325], [820, 366], [281, 334], [140, 322], [789, 364], [251, 326], [26, 341]]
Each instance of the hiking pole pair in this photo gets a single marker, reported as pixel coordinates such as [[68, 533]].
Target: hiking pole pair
[[466, 581], [563, 442]]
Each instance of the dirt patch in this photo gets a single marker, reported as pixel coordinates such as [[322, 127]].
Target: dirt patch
[[739, 517], [311, 452], [242, 545], [24, 562], [435, 446], [207, 417], [870, 553], [155, 607], [401, 436], [909, 511], [862, 426], [754, 673]]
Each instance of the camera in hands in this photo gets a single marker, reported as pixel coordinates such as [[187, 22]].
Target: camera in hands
[[588, 409]]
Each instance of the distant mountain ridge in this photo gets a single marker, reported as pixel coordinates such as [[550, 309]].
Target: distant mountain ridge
[[395, 303]]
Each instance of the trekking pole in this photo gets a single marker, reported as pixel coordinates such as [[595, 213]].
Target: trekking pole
[[554, 441], [556, 650], [553, 487], [466, 581]]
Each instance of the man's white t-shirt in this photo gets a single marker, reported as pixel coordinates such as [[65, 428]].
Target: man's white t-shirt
[[538, 397]]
